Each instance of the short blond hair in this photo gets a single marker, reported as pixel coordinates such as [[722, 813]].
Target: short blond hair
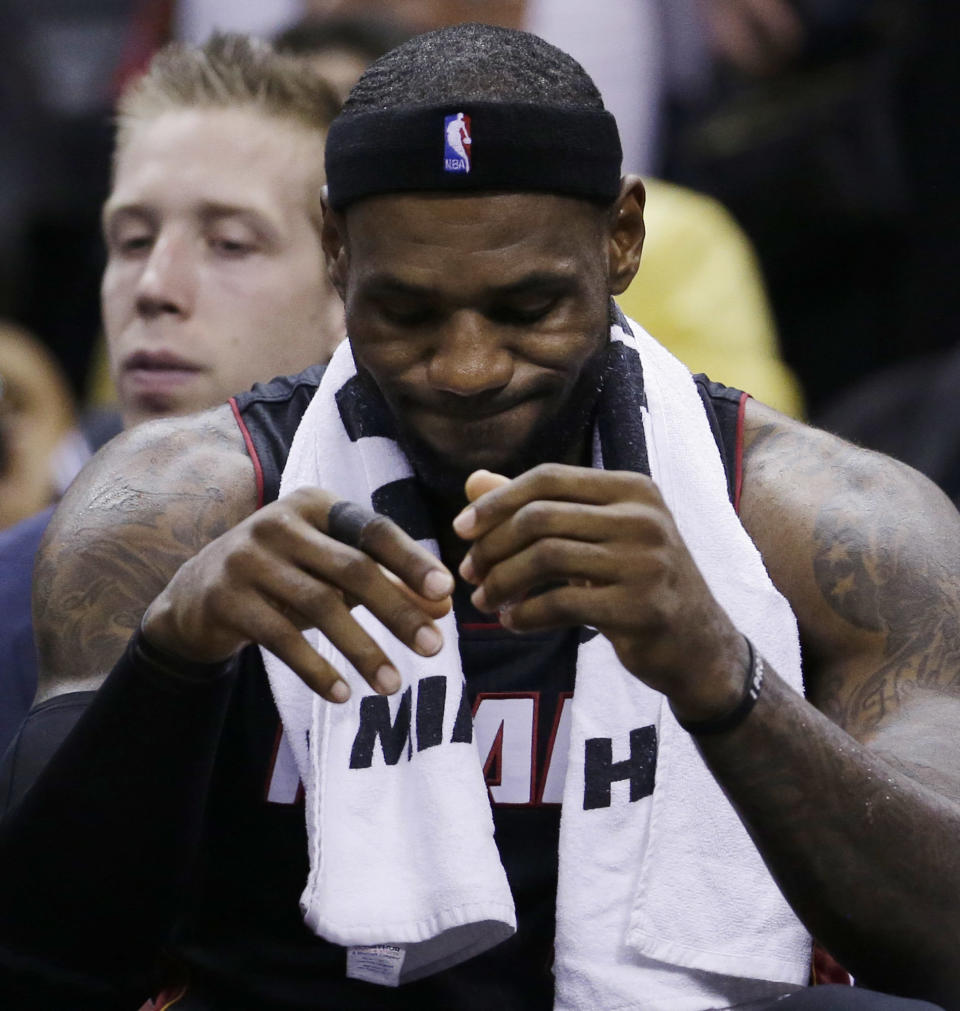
[[229, 71]]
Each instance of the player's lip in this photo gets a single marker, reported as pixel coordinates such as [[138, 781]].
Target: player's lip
[[466, 409]]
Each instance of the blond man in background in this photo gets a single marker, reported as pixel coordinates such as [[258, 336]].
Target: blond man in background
[[214, 276]]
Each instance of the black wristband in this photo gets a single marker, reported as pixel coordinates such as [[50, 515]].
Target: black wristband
[[144, 653], [751, 692]]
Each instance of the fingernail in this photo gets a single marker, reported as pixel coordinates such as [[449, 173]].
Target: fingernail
[[427, 640], [340, 691], [387, 679], [467, 570], [465, 522], [438, 584], [479, 599]]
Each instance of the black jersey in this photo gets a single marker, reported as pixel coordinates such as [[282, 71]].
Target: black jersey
[[243, 938]]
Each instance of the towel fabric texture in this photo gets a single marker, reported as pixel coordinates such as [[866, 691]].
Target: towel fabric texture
[[663, 901]]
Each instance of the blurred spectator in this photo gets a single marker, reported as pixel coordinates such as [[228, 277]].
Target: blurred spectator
[[805, 137], [339, 48], [910, 412], [61, 59], [195, 20], [20, 152], [40, 450], [215, 276], [422, 15], [755, 36]]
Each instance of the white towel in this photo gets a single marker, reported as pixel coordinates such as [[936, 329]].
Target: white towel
[[403, 864], [668, 904], [663, 901]]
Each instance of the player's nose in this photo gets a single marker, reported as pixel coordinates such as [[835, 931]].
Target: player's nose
[[469, 358]]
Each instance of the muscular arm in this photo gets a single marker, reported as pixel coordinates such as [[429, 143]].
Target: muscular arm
[[142, 507], [855, 804], [94, 855]]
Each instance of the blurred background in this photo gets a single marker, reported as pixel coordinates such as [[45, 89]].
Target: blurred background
[[803, 157]]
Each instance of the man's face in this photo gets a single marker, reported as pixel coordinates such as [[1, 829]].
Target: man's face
[[482, 320], [215, 276]]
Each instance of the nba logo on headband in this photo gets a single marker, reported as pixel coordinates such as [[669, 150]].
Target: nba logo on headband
[[456, 143]]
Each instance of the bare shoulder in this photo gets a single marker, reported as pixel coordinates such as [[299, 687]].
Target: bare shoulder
[[145, 504], [867, 550]]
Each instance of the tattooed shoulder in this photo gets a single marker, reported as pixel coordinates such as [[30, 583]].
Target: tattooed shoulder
[[868, 553], [145, 504]]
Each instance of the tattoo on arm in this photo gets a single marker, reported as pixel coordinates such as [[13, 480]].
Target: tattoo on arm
[[121, 535], [878, 580], [883, 547]]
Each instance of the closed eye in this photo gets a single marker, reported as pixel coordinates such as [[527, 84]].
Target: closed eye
[[231, 247], [523, 314], [130, 245], [412, 314]]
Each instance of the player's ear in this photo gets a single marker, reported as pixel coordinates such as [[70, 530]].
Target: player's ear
[[626, 232], [333, 239]]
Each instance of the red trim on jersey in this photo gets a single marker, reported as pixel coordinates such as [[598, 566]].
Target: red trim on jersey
[[738, 477], [481, 626], [251, 449], [825, 969], [165, 999]]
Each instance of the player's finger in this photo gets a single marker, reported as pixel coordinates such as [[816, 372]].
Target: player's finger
[[270, 628], [435, 608], [346, 634], [344, 577], [482, 481], [560, 607], [530, 523], [552, 481], [546, 562], [382, 539], [379, 537]]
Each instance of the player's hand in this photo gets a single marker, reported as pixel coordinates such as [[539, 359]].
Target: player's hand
[[279, 571], [561, 546]]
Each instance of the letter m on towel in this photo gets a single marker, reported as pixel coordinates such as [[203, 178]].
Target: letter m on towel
[[375, 722], [394, 734]]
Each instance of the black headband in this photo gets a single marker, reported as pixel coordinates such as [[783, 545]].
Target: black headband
[[468, 146]]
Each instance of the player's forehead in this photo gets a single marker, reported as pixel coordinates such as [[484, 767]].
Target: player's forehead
[[443, 231]]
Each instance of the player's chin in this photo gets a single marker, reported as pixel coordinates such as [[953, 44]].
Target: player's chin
[[492, 443], [465, 460]]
